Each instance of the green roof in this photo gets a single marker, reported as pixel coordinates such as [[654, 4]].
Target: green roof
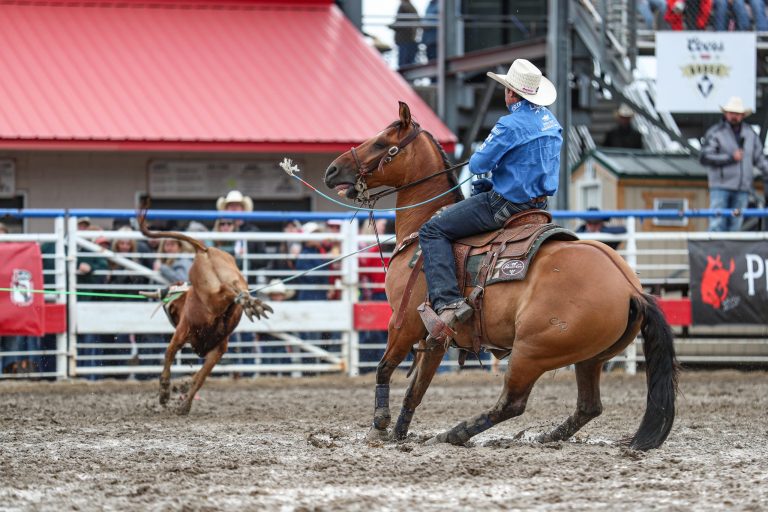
[[627, 163]]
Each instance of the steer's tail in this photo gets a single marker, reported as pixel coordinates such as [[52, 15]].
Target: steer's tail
[[661, 369], [141, 216]]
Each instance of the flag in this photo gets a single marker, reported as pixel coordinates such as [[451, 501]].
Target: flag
[[21, 271]]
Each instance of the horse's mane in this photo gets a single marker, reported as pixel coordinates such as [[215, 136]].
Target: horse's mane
[[458, 195]]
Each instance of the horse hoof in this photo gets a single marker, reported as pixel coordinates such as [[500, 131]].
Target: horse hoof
[[184, 409], [438, 439], [375, 434]]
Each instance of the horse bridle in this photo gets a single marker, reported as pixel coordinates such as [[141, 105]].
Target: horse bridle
[[362, 172]]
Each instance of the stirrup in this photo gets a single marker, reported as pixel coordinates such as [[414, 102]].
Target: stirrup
[[456, 312], [438, 330]]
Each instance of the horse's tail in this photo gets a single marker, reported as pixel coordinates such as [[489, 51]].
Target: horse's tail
[[661, 369], [141, 217]]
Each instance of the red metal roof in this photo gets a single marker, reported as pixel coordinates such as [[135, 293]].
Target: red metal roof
[[235, 76]]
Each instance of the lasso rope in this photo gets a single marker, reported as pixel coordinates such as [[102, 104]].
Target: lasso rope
[[85, 294], [329, 262], [291, 169]]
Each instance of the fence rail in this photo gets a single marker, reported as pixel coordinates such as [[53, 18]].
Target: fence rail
[[331, 334]]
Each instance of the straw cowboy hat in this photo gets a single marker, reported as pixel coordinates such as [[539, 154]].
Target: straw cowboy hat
[[735, 105], [525, 79], [235, 196], [276, 286]]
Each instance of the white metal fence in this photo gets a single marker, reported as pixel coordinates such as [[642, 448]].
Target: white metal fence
[[127, 336]]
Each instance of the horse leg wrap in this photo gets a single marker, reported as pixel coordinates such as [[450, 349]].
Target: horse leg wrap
[[403, 422], [381, 417]]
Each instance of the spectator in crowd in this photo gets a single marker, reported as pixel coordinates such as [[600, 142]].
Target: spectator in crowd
[[599, 225], [649, 9], [332, 248], [429, 34], [3, 229], [276, 291], [236, 202], [741, 18], [406, 33], [372, 278], [286, 252], [730, 151], [623, 135], [174, 260], [234, 247], [121, 280], [311, 256], [90, 272]]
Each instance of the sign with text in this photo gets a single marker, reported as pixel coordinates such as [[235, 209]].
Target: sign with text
[[699, 71], [729, 281], [195, 179]]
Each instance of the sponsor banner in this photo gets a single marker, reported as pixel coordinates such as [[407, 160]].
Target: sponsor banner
[[699, 71], [729, 281], [21, 269]]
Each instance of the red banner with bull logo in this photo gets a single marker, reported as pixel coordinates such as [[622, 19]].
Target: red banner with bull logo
[[729, 281], [21, 271]]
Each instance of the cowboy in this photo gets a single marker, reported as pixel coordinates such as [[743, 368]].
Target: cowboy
[[730, 151], [523, 154], [236, 202], [624, 135]]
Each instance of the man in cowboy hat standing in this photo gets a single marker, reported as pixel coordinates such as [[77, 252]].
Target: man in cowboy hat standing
[[523, 154], [730, 151], [623, 135]]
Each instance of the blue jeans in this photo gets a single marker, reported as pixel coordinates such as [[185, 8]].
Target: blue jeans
[[720, 14], [727, 200], [483, 212], [646, 9], [758, 14]]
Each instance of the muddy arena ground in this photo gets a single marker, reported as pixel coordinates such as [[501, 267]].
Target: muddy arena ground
[[299, 444]]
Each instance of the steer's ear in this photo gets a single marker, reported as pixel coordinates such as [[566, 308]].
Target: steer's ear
[[405, 114]]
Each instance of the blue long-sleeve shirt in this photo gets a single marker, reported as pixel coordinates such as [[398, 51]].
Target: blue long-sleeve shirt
[[523, 153]]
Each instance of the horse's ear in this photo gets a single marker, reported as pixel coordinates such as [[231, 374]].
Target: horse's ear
[[405, 114]]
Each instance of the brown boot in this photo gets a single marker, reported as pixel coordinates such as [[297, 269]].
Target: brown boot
[[456, 312]]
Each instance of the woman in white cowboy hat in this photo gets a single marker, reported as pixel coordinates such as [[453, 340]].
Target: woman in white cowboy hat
[[523, 154], [730, 151]]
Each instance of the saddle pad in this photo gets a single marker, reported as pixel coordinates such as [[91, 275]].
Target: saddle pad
[[513, 268]]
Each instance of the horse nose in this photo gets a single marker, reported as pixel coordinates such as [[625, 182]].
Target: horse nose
[[330, 174]]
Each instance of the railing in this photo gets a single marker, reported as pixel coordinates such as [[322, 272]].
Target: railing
[[128, 336]]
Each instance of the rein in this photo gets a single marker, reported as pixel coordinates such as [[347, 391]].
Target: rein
[[369, 200]]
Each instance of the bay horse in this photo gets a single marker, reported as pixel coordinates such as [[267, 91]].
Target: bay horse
[[579, 304]]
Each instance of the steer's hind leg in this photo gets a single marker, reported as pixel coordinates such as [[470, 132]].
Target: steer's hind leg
[[252, 306], [588, 404], [211, 358], [177, 341]]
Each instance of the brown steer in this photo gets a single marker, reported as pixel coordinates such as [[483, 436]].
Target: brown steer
[[206, 313]]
